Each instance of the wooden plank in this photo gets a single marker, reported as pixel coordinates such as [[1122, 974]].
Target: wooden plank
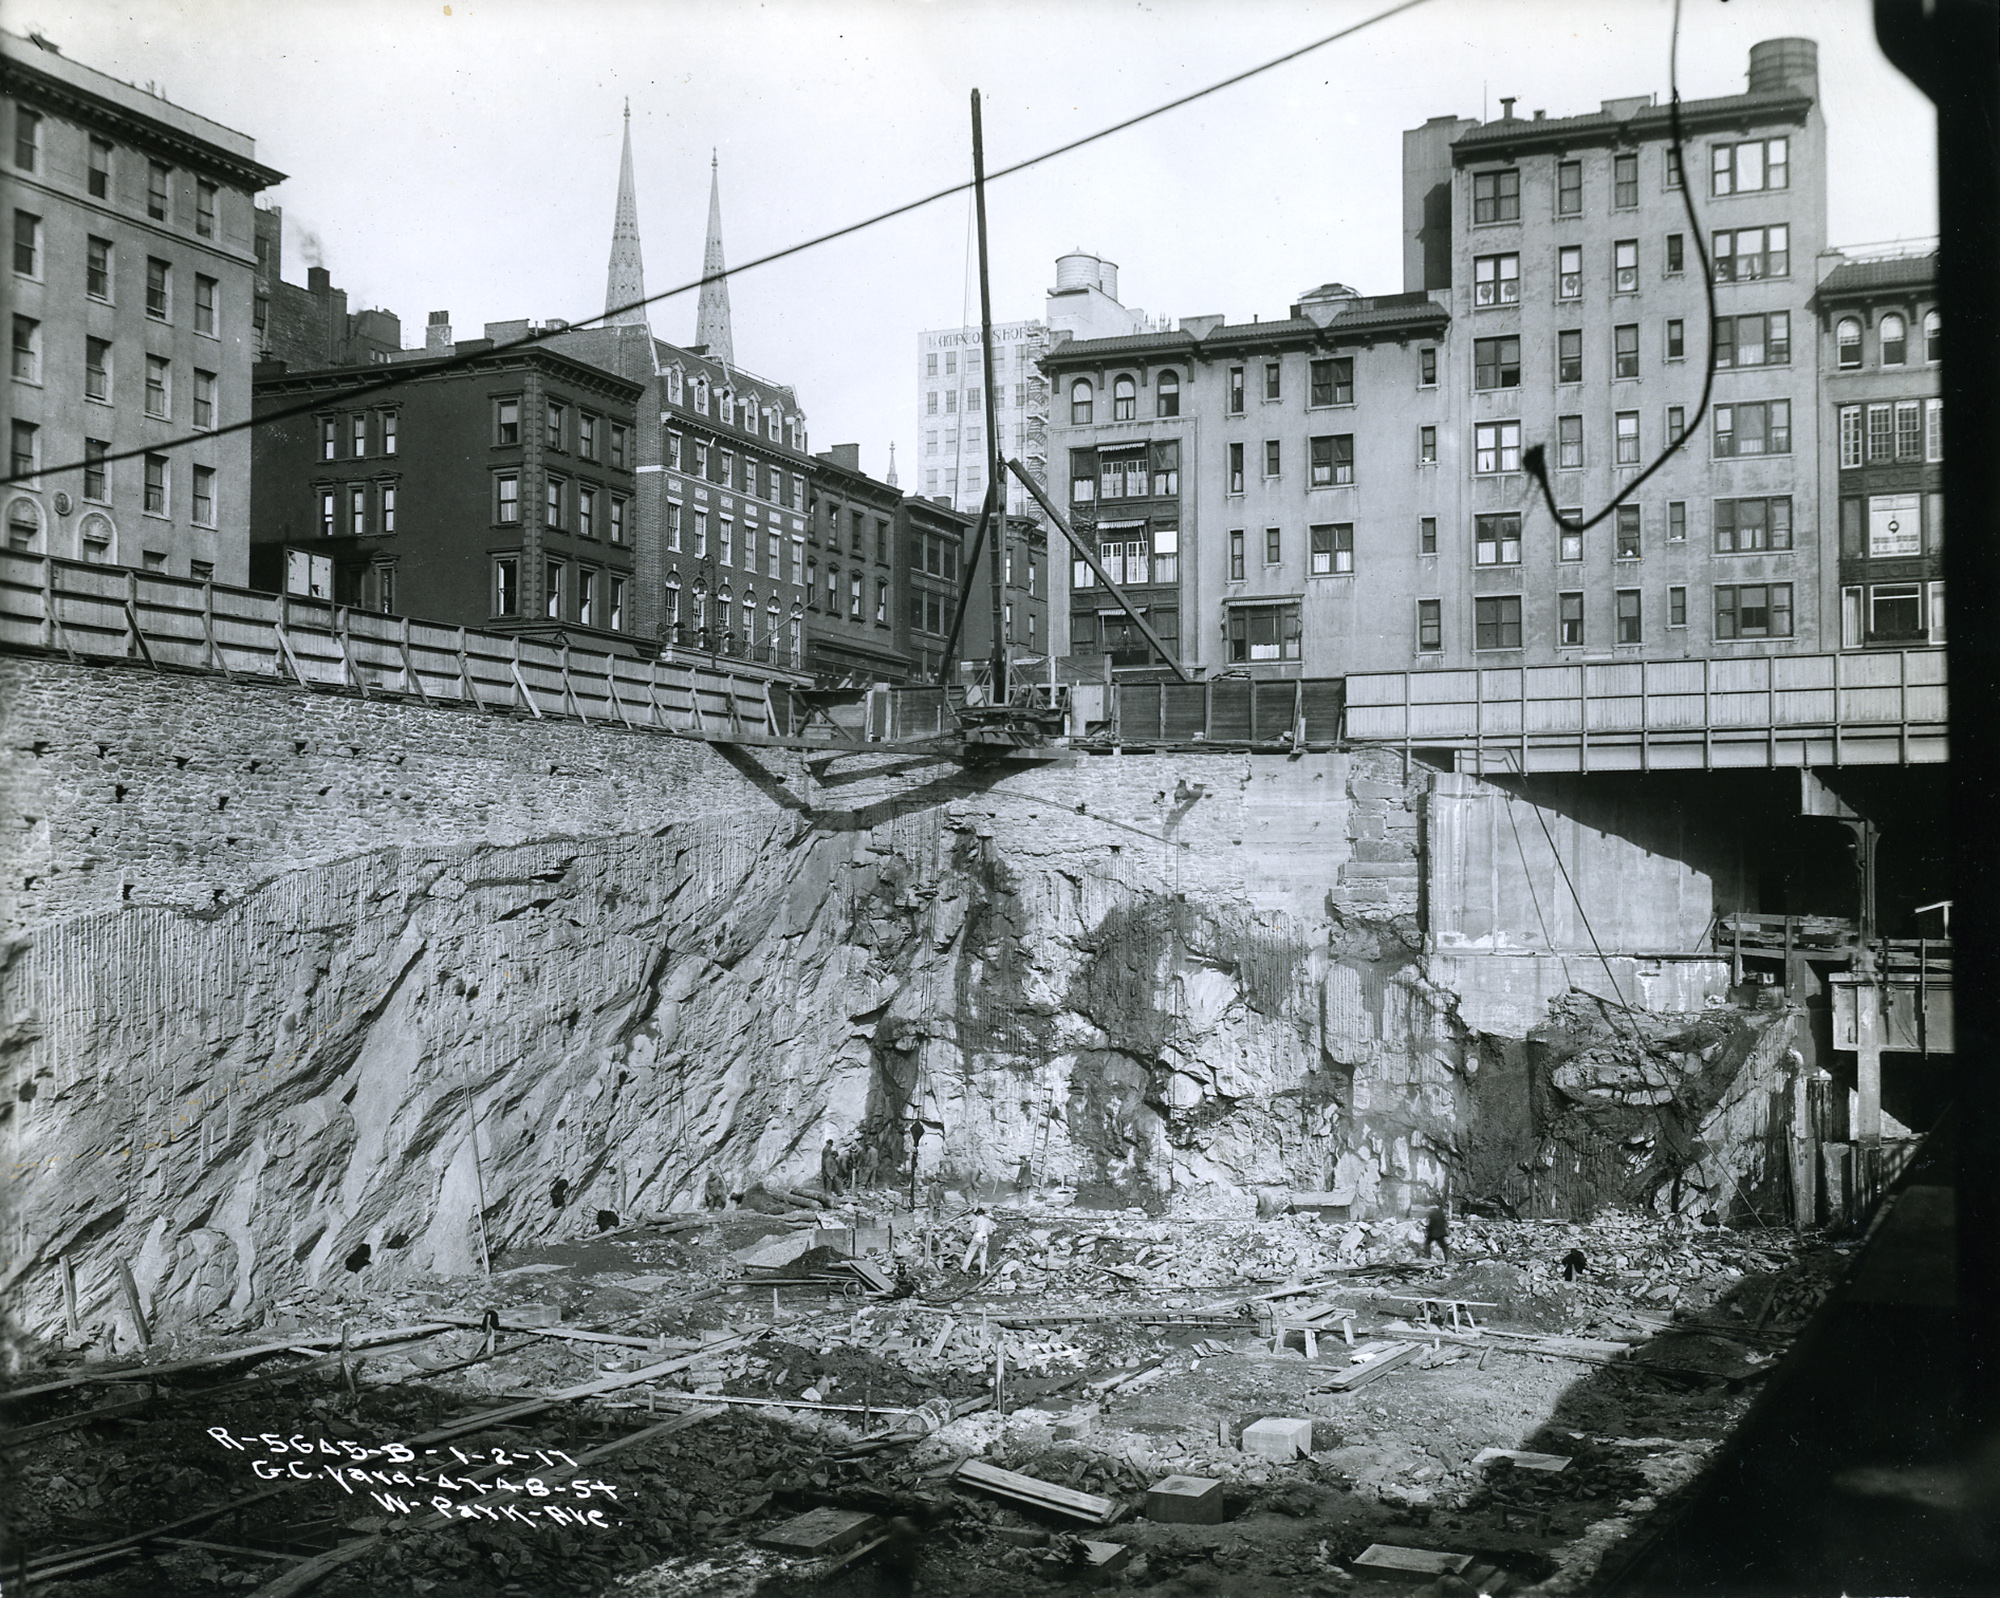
[[818, 1532], [1041, 1494], [1550, 1463], [126, 1373], [1379, 1364]]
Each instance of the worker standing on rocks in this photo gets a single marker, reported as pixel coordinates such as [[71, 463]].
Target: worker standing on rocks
[[1025, 1177], [1437, 1229], [981, 1242], [829, 1169], [713, 1194]]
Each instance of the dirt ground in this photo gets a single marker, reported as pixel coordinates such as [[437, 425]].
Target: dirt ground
[[1151, 1337]]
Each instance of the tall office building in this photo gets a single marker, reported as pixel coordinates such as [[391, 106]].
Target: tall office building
[[131, 303]]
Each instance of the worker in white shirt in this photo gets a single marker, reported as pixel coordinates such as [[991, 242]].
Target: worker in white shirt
[[981, 1241]]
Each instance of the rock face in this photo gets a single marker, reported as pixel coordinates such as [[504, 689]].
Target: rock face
[[531, 998]]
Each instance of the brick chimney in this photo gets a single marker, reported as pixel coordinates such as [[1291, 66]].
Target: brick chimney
[[437, 335]]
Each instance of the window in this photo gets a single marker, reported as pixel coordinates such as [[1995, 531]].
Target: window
[[1273, 380], [586, 512], [1569, 443], [1430, 625], [930, 403], [1569, 272], [725, 541], [1676, 423], [1274, 547], [24, 524], [1166, 557], [586, 597], [28, 349], [1625, 181], [555, 504], [1496, 280], [1761, 428], [1744, 255], [854, 587], [1273, 457], [1625, 435], [26, 458], [157, 500], [1496, 196], [158, 201], [1332, 460], [94, 483], [1235, 391], [552, 589], [1625, 267], [1677, 521], [1933, 342], [1496, 539], [1569, 356], [1263, 632], [1630, 619], [1628, 532], [27, 138], [329, 438], [329, 513], [1933, 430], [1625, 350], [1427, 367], [1496, 622], [1894, 335], [1427, 535], [1749, 168], [357, 510], [204, 208], [388, 432], [97, 272], [159, 381], [358, 428], [1753, 526], [507, 500], [100, 168], [1895, 610], [930, 365], [617, 517], [1764, 340], [951, 364], [1847, 343], [1082, 476], [507, 586], [204, 399], [159, 279], [1569, 620], [388, 501], [1333, 549], [1909, 430], [1676, 254], [1569, 541], [1427, 446], [1124, 399], [1166, 468], [1333, 381], [1496, 447], [1166, 395], [1496, 362], [27, 244], [1235, 468], [1676, 339], [1080, 402], [586, 435], [553, 428], [1894, 527], [507, 422], [1753, 610], [1236, 555], [1881, 432], [1569, 188]]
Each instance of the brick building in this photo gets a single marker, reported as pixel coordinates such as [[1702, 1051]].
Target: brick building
[[311, 326], [1880, 343], [931, 539], [492, 489], [854, 593], [130, 305]]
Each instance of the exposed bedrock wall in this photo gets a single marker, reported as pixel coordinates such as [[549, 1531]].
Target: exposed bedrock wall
[[246, 1039]]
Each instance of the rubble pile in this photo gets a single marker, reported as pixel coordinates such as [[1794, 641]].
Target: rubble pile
[[1489, 1402]]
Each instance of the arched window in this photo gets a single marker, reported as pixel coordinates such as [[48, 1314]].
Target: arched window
[[24, 524], [749, 618], [701, 395], [1895, 340], [1124, 400], [1167, 400], [1847, 341], [750, 413], [673, 607], [1079, 402], [700, 605], [1933, 349]]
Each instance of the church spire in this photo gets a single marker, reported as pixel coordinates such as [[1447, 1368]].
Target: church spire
[[892, 463], [625, 281], [711, 321]]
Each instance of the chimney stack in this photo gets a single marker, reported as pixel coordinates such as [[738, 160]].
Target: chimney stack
[[1507, 107], [437, 335]]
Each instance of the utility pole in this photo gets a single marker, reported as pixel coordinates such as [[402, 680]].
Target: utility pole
[[996, 481]]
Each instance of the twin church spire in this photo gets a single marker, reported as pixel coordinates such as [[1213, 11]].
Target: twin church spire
[[625, 279]]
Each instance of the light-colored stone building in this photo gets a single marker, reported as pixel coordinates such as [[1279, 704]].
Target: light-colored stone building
[[130, 301]]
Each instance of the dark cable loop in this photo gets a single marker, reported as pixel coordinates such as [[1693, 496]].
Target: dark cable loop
[[1535, 457], [453, 363]]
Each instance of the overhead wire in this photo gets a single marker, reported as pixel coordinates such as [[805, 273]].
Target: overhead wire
[[610, 313]]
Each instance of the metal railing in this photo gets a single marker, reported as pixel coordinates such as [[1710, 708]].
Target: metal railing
[[92, 612]]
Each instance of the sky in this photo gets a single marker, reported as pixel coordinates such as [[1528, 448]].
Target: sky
[[464, 156]]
